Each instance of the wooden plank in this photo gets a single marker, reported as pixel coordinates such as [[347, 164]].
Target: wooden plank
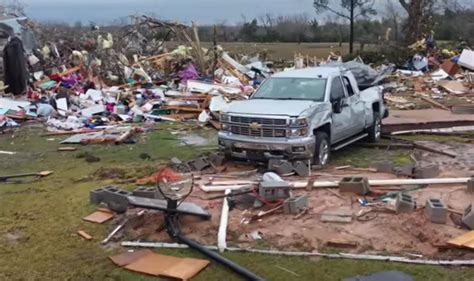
[[435, 103], [84, 235], [465, 239]]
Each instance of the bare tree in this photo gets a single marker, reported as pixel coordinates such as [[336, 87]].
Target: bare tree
[[393, 15], [419, 18], [348, 9]]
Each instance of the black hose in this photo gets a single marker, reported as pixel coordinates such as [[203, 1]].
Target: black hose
[[215, 256]]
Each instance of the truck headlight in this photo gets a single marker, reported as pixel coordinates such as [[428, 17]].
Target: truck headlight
[[297, 132], [225, 127], [298, 122], [225, 117]]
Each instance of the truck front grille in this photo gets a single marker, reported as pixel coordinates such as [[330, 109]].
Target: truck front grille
[[262, 121], [262, 132]]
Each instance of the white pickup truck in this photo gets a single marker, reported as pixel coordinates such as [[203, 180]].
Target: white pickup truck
[[302, 114]]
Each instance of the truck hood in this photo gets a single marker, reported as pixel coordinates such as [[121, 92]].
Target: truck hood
[[270, 107]]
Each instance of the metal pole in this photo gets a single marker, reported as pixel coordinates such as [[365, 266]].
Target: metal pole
[[213, 255]]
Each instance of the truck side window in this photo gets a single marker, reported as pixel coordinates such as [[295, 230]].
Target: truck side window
[[348, 85], [337, 89]]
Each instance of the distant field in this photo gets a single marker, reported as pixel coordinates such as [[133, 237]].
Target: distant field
[[285, 51]]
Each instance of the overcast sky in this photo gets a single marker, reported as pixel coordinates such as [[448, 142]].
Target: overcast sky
[[202, 11]]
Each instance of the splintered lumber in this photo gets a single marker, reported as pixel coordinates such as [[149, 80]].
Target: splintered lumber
[[435, 103]]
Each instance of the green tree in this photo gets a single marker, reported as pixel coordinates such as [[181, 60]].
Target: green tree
[[249, 30]]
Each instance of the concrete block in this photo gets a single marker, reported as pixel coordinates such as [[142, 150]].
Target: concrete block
[[281, 167], [175, 161], [357, 185], [468, 216], [146, 192], [426, 172], [470, 185], [116, 199], [301, 168], [384, 167], [276, 190], [199, 164], [436, 211], [405, 203], [95, 196], [406, 170], [217, 159], [295, 205]]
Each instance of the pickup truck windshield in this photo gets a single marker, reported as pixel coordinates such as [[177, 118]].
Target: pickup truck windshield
[[292, 89]]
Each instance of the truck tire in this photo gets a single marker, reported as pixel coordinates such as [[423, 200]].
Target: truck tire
[[322, 149], [375, 130]]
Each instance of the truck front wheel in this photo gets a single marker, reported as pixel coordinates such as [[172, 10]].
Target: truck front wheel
[[375, 131], [322, 149]]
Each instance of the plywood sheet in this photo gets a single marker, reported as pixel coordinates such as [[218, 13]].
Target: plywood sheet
[[99, 217], [168, 266]]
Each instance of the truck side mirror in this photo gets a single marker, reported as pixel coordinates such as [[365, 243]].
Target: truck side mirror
[[337, 105]]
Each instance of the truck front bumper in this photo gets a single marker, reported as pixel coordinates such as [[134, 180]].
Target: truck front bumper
[[266, 148]]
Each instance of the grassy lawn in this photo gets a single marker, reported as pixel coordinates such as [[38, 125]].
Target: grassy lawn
[[281, 51], [39, 220]]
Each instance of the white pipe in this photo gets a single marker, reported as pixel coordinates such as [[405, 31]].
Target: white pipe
[[389, 182], [222, 233], [335, 183], [307, 254]]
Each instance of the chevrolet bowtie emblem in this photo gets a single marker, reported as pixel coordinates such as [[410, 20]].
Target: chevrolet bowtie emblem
[[255, 126]]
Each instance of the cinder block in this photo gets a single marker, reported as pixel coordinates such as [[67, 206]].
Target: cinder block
[[95, 196], [468, 216], [295, 205], [276, 190], [384, 167], [116, 199], [301, 168], [406, 170], [436, 211], [146, 192], [427, 172], [217, 159], [470, 185], [175, 161], [405, 203], [199, 164], [357, 185], [281, 167]]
